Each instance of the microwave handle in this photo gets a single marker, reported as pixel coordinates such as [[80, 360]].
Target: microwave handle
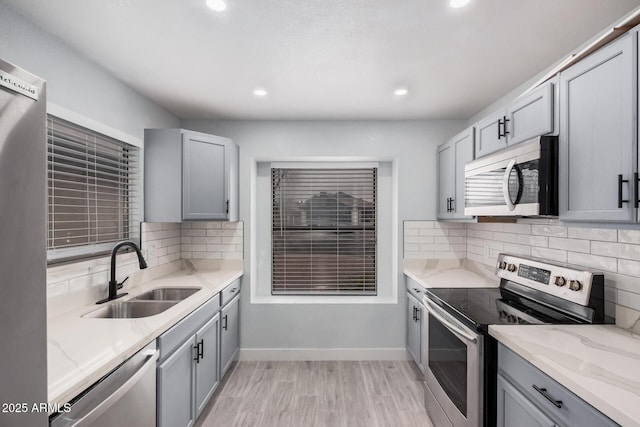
[[505, 185]]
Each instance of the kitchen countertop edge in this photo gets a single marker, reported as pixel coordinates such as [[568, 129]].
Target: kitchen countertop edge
[[538, 344]]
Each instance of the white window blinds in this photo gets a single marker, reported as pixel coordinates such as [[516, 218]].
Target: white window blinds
[[324, 231], [93, 191]]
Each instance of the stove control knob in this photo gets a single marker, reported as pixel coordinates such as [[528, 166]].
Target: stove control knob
[[512, 318], [575, 285], [560, 281], [512, 267], [502, 314], [502, 265]]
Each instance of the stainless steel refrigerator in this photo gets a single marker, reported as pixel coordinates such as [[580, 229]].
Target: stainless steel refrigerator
[[23, 320]]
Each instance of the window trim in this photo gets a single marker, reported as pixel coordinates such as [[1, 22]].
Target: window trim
[[73, 254], [387, 283]]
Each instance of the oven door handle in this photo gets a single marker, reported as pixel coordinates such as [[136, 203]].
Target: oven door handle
[[446, 322], [505, 185]]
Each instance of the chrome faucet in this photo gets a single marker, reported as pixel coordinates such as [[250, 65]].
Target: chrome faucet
[[113, 283]]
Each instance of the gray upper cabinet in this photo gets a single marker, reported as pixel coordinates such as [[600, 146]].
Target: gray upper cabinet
[[598, 115], [452, 156], [189, 176], [490, 134], [527, 117]]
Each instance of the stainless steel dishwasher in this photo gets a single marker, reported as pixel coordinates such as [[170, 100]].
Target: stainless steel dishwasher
[[124, 397]]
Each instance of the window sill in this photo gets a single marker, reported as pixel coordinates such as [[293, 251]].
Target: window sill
[[322, 299]]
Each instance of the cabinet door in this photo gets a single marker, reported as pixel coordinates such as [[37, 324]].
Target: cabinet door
[[489, 133], [597, 139], [413, 326], [229, 334], [514, 409], [446, 158], [463, 149], [175, 388], [531, 115], [206, 366], [204, 179]]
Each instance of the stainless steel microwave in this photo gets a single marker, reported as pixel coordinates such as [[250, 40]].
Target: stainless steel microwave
[[518, 181]]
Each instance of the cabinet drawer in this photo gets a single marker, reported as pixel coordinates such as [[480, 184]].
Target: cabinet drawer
[[573, 411], [229, 292], [175, 336], [416, 290]]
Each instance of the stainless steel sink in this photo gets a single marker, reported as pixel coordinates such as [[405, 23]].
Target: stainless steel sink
[[166, 294], [131, 309]]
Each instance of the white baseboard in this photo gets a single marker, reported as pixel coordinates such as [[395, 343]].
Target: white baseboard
[[276, 354]]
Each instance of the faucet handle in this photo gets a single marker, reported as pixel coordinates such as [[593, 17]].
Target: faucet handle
[[121, 284]]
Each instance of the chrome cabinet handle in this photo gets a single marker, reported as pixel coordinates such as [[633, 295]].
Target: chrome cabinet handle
[[505, 185], [447, 323], [545, 393]]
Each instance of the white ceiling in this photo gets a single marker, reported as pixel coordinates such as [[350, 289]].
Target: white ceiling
[[324, 59]]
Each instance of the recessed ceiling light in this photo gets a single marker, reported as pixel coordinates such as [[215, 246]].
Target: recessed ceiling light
[[217, 5], [458, 3], [260, 92], [402, 91]]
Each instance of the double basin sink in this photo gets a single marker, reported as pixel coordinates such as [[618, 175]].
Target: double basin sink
[[146, 304]]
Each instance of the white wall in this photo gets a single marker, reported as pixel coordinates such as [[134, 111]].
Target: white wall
[[76, 83], [334, 326]]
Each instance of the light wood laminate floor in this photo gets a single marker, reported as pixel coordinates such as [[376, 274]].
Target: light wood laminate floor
[[318, 393]]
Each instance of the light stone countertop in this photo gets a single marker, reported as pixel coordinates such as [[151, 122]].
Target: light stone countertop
[[599, 363], [82, 350], [450, 273]]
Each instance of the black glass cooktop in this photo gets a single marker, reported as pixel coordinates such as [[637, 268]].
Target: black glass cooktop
[[481, 307]]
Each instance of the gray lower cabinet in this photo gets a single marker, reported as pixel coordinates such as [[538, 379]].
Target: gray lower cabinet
[[514, 409], [189, 176], [529, 397], [206, 363], [598, 113], [229, 333], [415, 314], [188, 367], [175, 388]]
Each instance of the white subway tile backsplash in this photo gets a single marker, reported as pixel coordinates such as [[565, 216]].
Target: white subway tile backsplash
[[575, 245], [629, 236], [548, 230], [551, 254], [606, 249], [505, 237], [615, 252], [419, 224], [593, 261], [629, 267], [433, 232], [517, 228], [540, 241], [517, 249], [162, 243], [603, 234]]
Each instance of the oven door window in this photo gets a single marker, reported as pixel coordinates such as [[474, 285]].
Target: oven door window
[[448, 363]]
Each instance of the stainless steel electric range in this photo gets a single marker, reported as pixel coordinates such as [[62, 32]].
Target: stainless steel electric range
[[461, 361]]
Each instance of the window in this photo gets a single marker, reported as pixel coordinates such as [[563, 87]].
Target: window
[[323, 237], [93, 191]]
